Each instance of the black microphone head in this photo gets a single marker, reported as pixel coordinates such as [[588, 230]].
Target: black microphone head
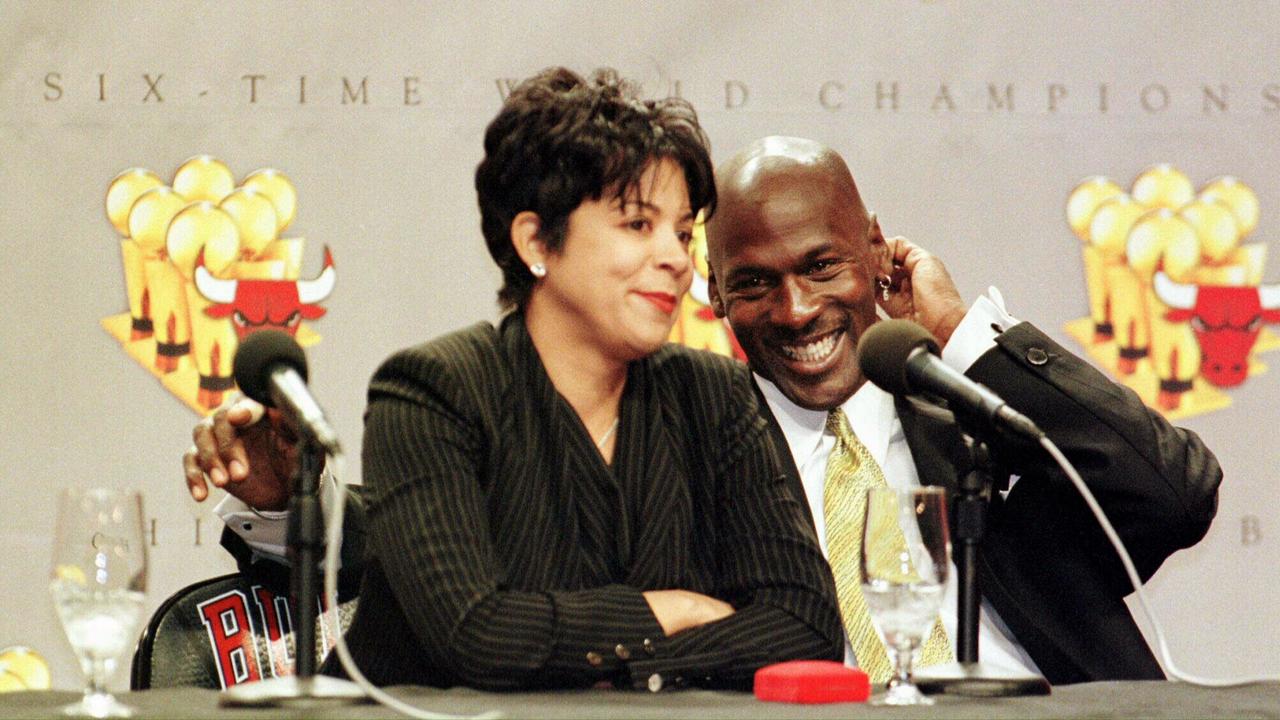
[[258, 355], [883, 351]]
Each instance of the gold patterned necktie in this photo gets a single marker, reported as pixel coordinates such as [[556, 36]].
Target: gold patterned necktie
[[851, 471]]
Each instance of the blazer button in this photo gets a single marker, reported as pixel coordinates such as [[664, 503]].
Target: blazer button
[[595, 659], [1037, 356], [623, 652], [649, 648], [655, 683]]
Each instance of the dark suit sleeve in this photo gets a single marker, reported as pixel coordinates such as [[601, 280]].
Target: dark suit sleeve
[[1157, 483], [769, 567]]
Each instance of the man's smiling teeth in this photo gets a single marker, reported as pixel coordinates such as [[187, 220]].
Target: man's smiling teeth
[[816, 351]]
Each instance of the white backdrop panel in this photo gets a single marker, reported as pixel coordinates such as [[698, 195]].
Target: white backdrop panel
[[966, 124]]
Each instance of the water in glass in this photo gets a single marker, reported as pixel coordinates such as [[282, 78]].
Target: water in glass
[[98, 580], [906, 554]]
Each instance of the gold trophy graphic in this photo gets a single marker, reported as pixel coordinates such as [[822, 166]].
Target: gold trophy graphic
[[696, 324], [1169, 280], [206, 262]]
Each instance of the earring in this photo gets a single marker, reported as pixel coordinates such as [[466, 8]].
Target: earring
[[539, 270], [883, 283]]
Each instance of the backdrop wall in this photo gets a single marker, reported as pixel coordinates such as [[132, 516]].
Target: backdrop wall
[[967, 124]]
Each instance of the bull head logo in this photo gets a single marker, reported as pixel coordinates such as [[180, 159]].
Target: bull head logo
[[1226, 321], [254, 305]]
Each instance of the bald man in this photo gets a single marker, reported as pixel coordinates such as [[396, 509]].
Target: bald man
[[800, 268]]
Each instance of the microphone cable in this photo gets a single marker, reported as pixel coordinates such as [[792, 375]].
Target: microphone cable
[[1166, 657], [333, 545]]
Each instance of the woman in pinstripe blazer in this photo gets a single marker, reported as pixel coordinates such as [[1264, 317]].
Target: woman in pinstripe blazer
[[561, 500]]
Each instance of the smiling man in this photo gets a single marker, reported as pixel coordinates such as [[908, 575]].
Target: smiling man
[[801, 261], [798, 267]]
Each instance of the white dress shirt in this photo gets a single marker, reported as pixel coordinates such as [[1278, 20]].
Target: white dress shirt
[[265, 531], [874, 419]]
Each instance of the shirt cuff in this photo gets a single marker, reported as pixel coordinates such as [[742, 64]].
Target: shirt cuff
[[976, 333], [266, 530]]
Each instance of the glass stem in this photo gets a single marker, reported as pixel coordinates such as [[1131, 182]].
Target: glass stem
[[97, 677], [902, 663]]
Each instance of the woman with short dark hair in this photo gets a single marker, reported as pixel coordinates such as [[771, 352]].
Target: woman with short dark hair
[[559, 140]]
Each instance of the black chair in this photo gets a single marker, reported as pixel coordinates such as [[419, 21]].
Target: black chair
[[224, 631]]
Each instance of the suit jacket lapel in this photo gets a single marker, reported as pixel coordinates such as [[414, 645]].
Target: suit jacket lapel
[[786, 462], [585, 495], [937, 447], [652, 468]]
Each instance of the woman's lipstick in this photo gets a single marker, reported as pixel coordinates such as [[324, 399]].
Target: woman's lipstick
[[665, 302]]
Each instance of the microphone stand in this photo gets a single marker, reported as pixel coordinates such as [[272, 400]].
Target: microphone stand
[[969, 676], [305, 540]]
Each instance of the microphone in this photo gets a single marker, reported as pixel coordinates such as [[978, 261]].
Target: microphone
[[270, 367], [902, 358]]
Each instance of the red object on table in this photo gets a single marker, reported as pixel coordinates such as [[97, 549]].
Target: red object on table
[[810, 682]]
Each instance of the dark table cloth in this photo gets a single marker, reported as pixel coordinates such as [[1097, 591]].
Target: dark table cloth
[[1087, 700]]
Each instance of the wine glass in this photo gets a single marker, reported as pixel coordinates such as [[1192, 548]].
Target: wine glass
[[906, 554], [98, 580]]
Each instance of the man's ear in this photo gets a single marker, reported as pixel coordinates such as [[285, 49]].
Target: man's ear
[[526, 238], [874, 234], [880, 250], [713, 293]]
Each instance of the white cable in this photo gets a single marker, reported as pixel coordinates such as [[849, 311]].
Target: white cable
[[333, 539], [1165, 657]]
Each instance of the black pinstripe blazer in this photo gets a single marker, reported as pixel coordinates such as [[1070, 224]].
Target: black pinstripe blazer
[[504, 553]]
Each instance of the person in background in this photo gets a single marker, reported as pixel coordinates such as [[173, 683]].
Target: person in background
[[800, 268], [561, 500]]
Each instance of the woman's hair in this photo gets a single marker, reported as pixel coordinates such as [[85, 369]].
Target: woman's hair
[[561, 139]]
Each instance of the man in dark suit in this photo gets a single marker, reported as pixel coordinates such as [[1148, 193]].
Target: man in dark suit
[[799, 266]]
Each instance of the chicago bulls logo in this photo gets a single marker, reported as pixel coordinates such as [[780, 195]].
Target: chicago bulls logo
[[1178, 310], [206, 262], [1226, 321], [254, 305]]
